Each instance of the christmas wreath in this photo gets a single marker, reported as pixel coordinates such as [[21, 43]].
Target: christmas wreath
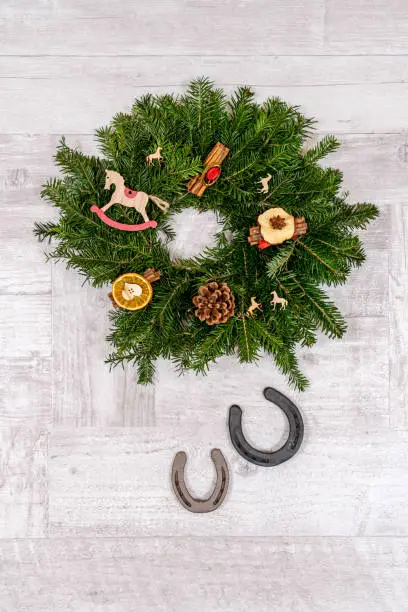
[[286, 229]]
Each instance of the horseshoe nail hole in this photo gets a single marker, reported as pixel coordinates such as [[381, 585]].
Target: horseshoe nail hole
[[266, 427], [194, 233], [223, 486], [180, 491]]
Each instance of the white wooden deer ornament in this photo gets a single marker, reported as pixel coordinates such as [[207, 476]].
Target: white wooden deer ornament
[[278, 300], [264, 182], [153, 156], [254, 306]]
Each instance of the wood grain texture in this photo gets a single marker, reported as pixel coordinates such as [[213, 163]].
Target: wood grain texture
[[22, 270], [26, 331], [257, 27], [170, 574], [51, 94], [398, 317], [26, 161], [166, 28], [23, 481], [25, 391], [116, 483], [366, 292], [366, 26], [333, 521]]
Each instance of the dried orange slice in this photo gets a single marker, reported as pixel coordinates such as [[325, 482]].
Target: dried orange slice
[[120, 291]]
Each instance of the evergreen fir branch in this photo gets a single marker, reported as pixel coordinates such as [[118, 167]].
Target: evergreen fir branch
[[348, 247], [327, 145], [321, 261], [280, 259], [325, 312], [283, 354], [269, 341], [45, 230], [217, 343], [350, 216], [247, 342]]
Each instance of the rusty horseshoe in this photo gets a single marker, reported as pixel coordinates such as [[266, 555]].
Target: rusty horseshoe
[[216, 498]]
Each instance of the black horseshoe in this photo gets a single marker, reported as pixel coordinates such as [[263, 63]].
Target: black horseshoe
[[292, 444], [220, 490]]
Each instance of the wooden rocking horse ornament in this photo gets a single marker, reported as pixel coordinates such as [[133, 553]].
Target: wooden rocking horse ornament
[[131, 199]]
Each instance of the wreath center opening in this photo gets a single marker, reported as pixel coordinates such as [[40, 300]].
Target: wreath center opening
[[194, 232]]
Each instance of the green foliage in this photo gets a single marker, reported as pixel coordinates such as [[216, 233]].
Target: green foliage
[[267, 138]]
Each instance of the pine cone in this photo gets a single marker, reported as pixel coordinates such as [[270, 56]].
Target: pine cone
[[215, 303]]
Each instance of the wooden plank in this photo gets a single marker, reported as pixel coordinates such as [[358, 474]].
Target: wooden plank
[[57, 95], [26, 161], [23, 268], [374, 167], [23, 168], [256, 71], [25, 332], [85, 392], [366, 26], [345, 481], [23, 480], [398, 317], [175, 71], [350, 28], [25, 411], [366, 291], [304, 574], [25, 390], [169, 28]]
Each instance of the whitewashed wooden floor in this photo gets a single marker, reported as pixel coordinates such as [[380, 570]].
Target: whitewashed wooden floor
[[88, 522]]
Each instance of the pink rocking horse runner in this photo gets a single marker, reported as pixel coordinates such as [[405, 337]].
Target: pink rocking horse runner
[[122, 226]]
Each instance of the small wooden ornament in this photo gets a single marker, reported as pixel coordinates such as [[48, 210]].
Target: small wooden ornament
[[254, 306], [133, 291], [212, 170], [153, 156], [131, 199], [251, 310], [278, 300], [264, 182]]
